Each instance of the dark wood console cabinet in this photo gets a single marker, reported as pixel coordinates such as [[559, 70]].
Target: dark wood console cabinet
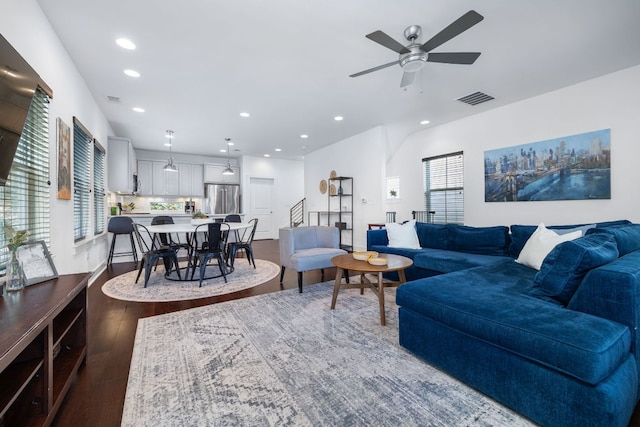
[[43, 343]]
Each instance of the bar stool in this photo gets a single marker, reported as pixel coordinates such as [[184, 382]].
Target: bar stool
[[121, 225]]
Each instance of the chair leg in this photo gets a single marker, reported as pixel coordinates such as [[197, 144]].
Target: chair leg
[[133, 248], [322, 274], [140, 270], [222, 267], [346, 275], [111, 249], [249, 252], [147, 269], [281, 274], [203, 268], [300, 281]]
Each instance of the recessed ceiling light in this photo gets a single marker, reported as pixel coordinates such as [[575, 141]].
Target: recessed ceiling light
[[138, 109], [167, 144], [243, 114], [169, 135], [229, 143], [278, 149], [425, 122], [304, 136], [126, 43], [338, 118], [267, 155], [222, 150], [132, 73]]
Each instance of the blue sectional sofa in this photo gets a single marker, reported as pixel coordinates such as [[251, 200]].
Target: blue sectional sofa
[[559, 345]]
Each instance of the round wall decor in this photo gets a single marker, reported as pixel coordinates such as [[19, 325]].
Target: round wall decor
[[323, 186], [333, 174]]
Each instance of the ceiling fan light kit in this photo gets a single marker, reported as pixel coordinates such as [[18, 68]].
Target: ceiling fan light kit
[[415, 56]]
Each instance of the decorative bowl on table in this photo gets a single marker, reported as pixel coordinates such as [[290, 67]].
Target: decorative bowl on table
[[377, 261], [364, 255]]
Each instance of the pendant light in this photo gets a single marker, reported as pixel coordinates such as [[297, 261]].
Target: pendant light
[[228, 170], [170, 167]]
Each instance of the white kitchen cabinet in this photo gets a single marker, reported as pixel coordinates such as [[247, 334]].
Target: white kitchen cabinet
[[145, 178], [121, 165], [213, 173], [164, 183], [190, 180]]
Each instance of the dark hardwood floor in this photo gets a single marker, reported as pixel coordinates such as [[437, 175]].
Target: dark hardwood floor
[[97, 397]]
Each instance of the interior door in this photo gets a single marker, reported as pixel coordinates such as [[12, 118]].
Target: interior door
[[261, 206]]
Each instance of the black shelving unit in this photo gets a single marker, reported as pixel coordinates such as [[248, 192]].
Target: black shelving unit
[[341, 209]]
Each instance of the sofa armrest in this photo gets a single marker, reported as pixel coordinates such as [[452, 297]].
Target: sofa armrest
[[377, 237], [286, 245]]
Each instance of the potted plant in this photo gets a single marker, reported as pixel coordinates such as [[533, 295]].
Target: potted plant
[[16, 239], [199, 218]]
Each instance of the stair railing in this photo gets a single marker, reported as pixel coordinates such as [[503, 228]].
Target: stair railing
[[296, 214]]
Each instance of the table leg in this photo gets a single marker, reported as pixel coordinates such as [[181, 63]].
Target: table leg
[[383, 320], [336, 287], [401, 276]]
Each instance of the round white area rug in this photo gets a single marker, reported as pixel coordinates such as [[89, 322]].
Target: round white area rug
[[159, 289]]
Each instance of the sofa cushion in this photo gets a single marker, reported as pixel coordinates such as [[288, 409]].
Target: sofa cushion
[[540, 244], [627, 236], [314, 258], [408, 252], [447, 261], [403, 235], [567, 264], [432, 235], [478, 240], [521, 233], [488, 304]]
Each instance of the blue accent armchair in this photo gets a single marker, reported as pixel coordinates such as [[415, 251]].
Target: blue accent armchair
[[308, 248]]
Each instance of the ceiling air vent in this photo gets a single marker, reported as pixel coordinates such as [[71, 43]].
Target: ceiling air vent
[[113, 98], [476, 98]]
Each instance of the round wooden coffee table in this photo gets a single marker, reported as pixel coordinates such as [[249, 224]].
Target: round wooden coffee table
[[348, 263]]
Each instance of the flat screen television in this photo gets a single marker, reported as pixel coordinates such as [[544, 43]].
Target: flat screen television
[[18, 82]]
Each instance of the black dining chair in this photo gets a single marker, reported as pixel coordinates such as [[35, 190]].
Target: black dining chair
[[234, 218], [167, 239], [152, 253], [213, 246], [244, 243]]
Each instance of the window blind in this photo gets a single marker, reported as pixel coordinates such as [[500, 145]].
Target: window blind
[[25, 197], [444, 187], [81, 179], [98, 188]]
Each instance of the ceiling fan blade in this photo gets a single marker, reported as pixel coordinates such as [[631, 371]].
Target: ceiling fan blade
[[465, 58], [370, 70], [407, 79], [386, 41], [458, 26]]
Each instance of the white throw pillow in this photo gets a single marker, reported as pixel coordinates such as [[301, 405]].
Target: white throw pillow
[[541, 242], [403, 235]]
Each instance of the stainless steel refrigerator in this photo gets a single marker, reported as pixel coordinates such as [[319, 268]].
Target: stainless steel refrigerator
[[221, 199]]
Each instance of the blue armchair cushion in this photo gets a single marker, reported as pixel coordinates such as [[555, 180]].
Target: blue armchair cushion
[[432, 235], [478, 240], [566, 265], [627, 236]]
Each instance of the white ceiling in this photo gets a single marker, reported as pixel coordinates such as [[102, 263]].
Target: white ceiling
[[287, 63]]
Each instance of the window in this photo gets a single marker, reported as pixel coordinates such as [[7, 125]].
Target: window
[[81, 179], [444, 187], [25, 197], [98, 188], [393, 187]]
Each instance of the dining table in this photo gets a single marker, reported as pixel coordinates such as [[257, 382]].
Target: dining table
[[188, 230]]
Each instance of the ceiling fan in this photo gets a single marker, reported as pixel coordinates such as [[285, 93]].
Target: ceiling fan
[[414, 56]]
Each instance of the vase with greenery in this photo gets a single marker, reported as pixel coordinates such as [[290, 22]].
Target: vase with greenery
[[16, 239]]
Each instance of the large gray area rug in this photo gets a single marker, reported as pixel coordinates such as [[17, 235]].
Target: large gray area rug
[[286, 359], [160, 289]]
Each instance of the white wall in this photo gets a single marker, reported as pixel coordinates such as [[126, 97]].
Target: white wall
[[288, 180], [610, 101], [361, 157], [24, 25]]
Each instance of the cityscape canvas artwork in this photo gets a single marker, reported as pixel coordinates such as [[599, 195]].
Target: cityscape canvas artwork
[[575, 167]]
